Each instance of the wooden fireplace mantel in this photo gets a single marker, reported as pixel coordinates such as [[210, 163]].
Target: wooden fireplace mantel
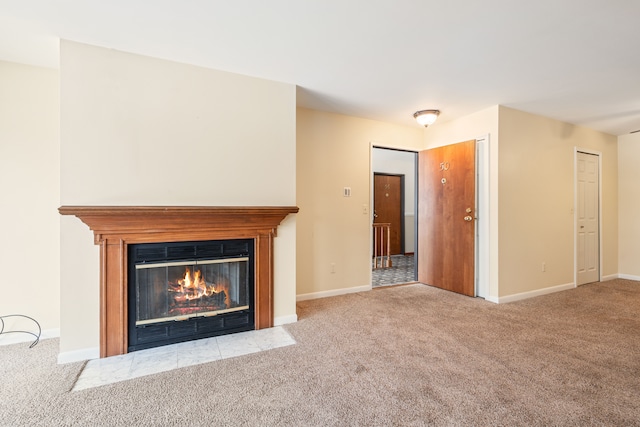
[[115, 227]]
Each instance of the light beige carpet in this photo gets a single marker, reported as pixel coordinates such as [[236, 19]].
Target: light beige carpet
[[409, 355]]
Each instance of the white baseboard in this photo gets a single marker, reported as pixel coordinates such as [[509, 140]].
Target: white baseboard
[[531, 294], [609, 277], [15, 338], [332, 293], [283, 320], [628, 277], [79, 355]]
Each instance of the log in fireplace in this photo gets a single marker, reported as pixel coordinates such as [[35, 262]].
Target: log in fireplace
[[117, 228]]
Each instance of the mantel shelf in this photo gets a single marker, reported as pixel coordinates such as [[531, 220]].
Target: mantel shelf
[[121, 220]]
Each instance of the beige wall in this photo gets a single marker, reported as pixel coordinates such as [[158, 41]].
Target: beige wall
[[174, 134], [333, 153], [629, 205], [536, 185], [29, 183]]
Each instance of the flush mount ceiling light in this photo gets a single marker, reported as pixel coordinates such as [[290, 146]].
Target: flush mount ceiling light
[[426, 117]]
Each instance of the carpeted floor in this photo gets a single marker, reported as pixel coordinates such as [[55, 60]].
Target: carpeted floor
[[401, 271], [409, 355]]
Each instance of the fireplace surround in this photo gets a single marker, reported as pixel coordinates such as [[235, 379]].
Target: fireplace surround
[[115, 228]]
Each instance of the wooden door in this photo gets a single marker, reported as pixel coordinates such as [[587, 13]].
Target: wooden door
[[446, 217], [587, 217], [388, 207]]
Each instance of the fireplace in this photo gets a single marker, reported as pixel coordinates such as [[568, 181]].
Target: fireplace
[[118, 228], [189, 290]]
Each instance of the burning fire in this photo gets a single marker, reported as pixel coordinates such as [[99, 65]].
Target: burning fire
[[196, 288]]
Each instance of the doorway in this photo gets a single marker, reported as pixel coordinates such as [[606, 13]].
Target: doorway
[[394, 174], [587, 217], [384, 159]]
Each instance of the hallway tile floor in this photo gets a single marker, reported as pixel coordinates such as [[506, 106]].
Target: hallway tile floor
[[401, 271]]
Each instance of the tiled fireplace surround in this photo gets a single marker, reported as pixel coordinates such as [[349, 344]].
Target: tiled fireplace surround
[[115, 227]]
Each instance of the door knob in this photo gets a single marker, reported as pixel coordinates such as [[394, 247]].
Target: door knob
[[468, 218]]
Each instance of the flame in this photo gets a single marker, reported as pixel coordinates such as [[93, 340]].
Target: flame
[[196, 288]]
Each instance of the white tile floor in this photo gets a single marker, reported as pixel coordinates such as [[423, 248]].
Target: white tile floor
[[152, 361]]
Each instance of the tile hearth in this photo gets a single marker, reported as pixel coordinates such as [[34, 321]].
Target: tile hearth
[[114, 369]]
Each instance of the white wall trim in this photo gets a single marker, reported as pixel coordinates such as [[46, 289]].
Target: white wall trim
[[628, 277], [610, 277], [284, 320], [483, 194], [15, 338], [332, 293], [531, 294], [50, 333], [79, 355]]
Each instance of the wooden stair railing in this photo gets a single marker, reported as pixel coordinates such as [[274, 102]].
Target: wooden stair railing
[[381, 245]]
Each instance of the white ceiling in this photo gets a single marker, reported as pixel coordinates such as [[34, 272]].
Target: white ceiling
[[573, 60]]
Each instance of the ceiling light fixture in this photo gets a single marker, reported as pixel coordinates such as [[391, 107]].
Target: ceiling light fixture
[[426, 117]]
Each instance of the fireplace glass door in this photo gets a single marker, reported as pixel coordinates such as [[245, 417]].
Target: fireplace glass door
[[180, 290]]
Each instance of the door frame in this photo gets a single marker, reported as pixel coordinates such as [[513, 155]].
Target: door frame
[[577, 150], [483, 202], [402, 204], [483, 254]]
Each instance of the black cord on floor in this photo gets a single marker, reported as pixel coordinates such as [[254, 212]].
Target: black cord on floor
[[2, 331]]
